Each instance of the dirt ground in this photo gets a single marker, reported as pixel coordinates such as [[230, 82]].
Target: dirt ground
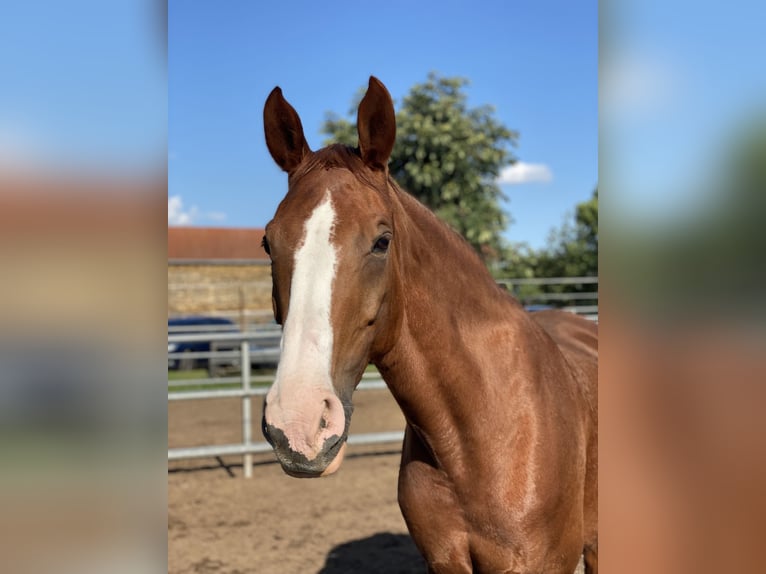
[[221, 523]]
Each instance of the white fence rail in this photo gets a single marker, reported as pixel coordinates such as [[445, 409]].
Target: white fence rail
[[241, 348]]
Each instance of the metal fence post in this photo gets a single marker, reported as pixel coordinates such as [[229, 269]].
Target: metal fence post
[[247, 427]]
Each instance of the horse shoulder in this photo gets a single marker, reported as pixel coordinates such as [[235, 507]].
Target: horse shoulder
[[431, 508]]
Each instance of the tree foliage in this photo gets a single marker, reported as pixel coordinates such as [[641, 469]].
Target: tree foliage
[[572, 250], [448, 155]]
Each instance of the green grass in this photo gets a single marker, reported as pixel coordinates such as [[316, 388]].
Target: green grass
[[183, 375], [175, 376], [199, 387]]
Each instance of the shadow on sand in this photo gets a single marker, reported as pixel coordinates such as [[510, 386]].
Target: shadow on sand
[[383, 553]]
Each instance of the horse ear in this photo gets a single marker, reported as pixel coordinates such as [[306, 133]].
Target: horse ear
[[376, 124], [284, 132]]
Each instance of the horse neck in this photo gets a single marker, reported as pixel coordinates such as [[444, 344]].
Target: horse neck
[[435, 256], [446, 303]]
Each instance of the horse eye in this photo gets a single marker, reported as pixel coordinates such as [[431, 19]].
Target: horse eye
[[265, 245], [381, 244]]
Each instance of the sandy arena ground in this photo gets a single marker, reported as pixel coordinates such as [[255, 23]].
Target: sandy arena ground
[[221, 523]]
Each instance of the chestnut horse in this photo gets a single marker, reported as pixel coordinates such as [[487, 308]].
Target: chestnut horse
[[499, 464]]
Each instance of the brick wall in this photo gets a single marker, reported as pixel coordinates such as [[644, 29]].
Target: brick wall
[[219, 289]]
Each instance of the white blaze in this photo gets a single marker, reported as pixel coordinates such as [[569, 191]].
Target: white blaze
[[307, 332], [307, 337]]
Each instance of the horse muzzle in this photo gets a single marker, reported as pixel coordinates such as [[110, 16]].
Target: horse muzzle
[[296, 464], [310, 441]]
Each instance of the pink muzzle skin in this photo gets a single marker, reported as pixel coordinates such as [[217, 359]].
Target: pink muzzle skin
[[307, 430]]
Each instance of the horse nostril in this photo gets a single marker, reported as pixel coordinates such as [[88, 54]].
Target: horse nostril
[[265, 429], [324, 420]]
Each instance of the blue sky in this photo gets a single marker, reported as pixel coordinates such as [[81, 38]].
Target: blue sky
[[87, 83], [83, 84], [678, 86], [536, 62]]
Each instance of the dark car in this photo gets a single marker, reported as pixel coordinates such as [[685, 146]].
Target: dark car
[[191, 325]]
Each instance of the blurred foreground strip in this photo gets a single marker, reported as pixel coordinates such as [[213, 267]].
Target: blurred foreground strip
[[683, 444], [82, 419]]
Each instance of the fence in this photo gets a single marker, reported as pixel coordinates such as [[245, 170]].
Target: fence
[[235, 348], [244, 355], [582, 302]]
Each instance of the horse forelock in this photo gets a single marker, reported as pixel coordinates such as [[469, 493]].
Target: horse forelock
[[338, 156]]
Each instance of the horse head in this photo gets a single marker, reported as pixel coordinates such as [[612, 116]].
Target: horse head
[[332, 245]]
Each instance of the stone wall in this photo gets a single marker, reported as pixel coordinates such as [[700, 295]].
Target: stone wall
[[228, 290]]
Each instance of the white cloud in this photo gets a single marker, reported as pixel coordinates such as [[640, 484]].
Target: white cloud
[[521, 172], [179, 215]]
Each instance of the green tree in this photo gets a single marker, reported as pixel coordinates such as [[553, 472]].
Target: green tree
[[572, 251], [448, 155]]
